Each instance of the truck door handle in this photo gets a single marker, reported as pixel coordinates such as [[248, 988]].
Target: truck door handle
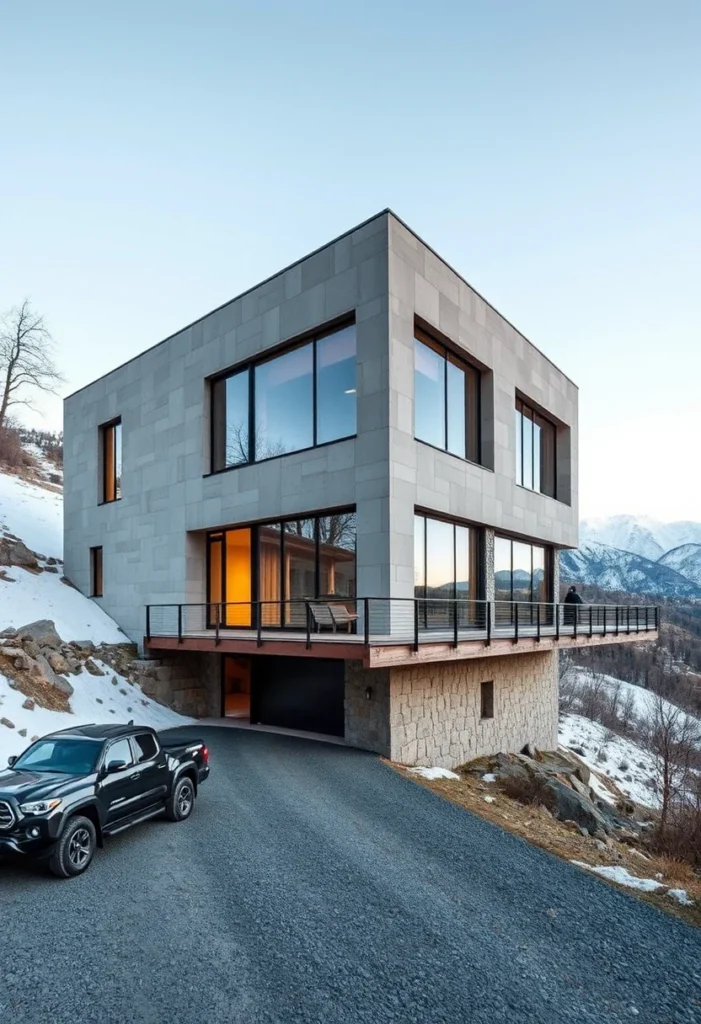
[[136, 775]]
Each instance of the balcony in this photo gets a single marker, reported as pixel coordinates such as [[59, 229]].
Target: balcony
[[383, 631]]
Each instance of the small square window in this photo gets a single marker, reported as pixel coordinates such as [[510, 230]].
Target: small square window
[[486, 700], [96, 572]]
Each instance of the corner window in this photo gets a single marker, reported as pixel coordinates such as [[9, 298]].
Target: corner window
[[535, 450], [300, 399], [446, 399], [96, 572], [486, 700], [111, 458]]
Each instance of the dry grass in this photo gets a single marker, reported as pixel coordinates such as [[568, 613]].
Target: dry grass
[[41, 692], [537, 825]]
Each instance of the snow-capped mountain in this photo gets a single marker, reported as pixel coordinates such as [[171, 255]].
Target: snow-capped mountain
[[639, 534], [613, 569], [686, 560]]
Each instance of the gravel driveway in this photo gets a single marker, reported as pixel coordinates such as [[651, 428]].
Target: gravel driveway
[[315, 884]]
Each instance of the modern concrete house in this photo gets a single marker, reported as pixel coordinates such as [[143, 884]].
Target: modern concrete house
[[335, 504]]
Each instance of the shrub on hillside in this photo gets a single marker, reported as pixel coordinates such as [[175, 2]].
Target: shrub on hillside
[[12, 454]]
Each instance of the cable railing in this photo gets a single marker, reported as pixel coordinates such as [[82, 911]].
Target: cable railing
[[394, 620]]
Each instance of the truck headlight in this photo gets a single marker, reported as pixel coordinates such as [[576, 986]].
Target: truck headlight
[[40, 807]]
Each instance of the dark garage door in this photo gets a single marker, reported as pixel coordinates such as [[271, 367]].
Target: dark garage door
[[298, 693]]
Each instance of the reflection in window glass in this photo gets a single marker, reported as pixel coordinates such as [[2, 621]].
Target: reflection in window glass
[[230, 421], [440, 559], [446, 566], [456, 409], [284, 401], [300, 566], [519, 444], [540, 588], [111, 461], [521, 578], [502, 569], [270, 572], [429, 395], [337, 555], [335, 386], [527, 449], [535, 450]]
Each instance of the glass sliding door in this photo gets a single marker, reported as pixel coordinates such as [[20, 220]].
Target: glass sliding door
[[270, 573], [523, 576], [299, 568], [446, 573], [337, 555], [237, 577]]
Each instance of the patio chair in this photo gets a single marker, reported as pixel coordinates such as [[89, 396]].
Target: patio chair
[[342, 617], [321, 615]]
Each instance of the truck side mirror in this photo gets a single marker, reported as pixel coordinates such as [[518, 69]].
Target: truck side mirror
[[116, 766], [11, 760]]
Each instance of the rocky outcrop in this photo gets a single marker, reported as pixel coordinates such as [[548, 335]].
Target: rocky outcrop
[[558, 781]]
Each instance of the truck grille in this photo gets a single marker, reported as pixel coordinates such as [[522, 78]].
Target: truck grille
[[7, 816]]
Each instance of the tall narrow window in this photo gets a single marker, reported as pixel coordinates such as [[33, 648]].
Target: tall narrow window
[[446, 399], [523, 574], [96, 572], [111, 436], [230, 421], [335, 386], [535, 450], [446, 566]]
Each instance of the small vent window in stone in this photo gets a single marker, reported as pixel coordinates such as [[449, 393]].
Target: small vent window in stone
[[487, 700]]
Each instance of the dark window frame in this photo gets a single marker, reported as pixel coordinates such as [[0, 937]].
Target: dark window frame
[[487, 700], [472, 394], [249, 367], [479, 558], [528, 411], [97, 582], [107, 433], [135, 748], [214, 536]]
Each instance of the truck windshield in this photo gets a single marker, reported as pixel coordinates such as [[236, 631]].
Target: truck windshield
[[66, 756]]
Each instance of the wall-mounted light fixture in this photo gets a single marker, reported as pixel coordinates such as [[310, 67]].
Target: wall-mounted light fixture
[[368, 692]]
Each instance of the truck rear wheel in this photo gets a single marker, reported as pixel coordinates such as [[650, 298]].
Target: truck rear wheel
[[182, 800], [75, 849]]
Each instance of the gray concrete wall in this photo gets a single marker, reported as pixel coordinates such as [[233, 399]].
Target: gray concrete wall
[[153, 538], [422, 285], [161, 396]]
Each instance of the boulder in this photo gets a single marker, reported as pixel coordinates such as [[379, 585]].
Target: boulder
[[58, 662], [92, 668], [7, 723], [567, 804], [14, 552], [9, 633], [42, 632], [29, 704], [41, 667], [22, 732]]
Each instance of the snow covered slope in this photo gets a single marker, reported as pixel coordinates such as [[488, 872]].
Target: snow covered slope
[[34, 514], [685, 560], [614, 569], [639, 534]]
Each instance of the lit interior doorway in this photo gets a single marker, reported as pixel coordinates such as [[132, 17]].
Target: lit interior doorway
[[236, 687]]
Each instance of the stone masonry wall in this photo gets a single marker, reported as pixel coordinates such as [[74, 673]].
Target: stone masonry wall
[[187, 682], [367, 719], [435, 708]]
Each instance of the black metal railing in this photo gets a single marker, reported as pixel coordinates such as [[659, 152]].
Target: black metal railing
[[395, 620]]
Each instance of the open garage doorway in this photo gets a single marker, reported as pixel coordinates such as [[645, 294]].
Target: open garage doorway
[[236, 687], [305, 694]]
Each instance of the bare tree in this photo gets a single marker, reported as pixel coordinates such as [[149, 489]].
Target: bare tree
[[26, 362], [671, 737]]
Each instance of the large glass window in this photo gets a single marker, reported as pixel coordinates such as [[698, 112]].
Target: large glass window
[[302, 398], [522, 573], [284, 403], [271, 569], [111, 436], [535, 450], [446, 399], [446, 566], [335, 385]]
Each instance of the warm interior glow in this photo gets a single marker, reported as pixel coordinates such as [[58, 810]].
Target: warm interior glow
[[238, 577]]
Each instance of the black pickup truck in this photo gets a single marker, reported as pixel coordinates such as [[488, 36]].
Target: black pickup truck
[[65, 793]]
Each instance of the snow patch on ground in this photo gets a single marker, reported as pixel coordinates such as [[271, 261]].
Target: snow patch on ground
[[33, 514], [43, 596], [97, 699], [621, 760], [681, 896], [434, 773], [616, 873], [489, 777]]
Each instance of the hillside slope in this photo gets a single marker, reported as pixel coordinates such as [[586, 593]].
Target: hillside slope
[[685, 560], [35, 590]]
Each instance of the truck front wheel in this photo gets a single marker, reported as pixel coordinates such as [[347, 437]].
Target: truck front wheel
[[182, 800], [75, 849]]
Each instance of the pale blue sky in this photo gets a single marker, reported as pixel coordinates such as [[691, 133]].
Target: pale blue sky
[[160, 157]]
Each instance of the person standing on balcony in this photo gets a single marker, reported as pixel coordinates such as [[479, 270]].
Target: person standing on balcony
[[571, 598]]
